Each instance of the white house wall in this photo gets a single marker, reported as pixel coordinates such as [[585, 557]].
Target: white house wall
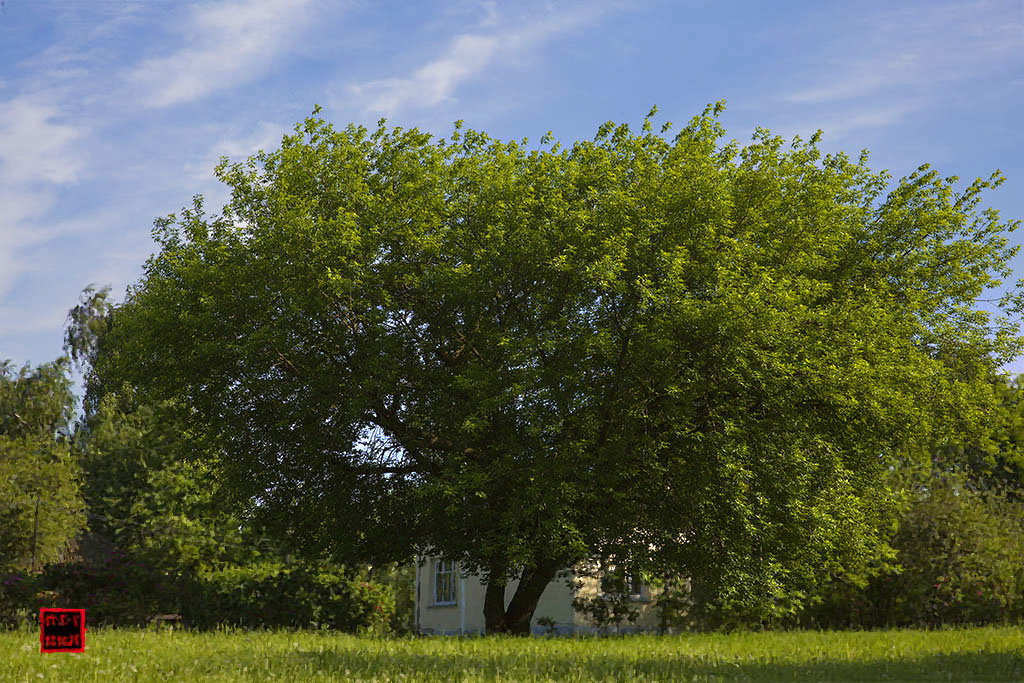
[[467, 614]]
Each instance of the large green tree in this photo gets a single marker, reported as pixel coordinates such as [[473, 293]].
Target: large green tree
[[679, 351], [41, 509]]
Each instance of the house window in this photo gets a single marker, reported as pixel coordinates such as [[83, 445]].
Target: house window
[[634, 586], [618, 581], [444, 582]]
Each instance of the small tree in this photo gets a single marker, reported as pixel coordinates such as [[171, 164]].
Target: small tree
[[150, 495], [149, 477], [674, 602]]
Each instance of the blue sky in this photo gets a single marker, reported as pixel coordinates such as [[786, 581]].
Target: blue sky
[[114, 112]]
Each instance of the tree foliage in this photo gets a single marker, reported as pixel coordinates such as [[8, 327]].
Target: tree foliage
[[151, 488], [151, 494], [993, 458], [679, 351], [41, 509], [959, 539]]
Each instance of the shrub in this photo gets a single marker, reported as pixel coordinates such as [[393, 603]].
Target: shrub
[[122, 591], [17, 595], [959, 548], [675, 604], [611, 605], [302, 596], [119, 591]]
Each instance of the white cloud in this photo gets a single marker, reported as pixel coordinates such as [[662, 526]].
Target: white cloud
[[466, 56], [37, 153], [433, 83], [20, 321], [491, 15], [34, 146], [866, 78], [265, 135], [917, 50], [838, 125], [228, 44], [29, 244], [10, 267]]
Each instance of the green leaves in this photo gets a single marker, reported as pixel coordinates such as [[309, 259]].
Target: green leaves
[[152, 490], [41, 509]]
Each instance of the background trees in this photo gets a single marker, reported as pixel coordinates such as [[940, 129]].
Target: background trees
[[680, 352], [151, 494], [148, 479], [41, 508], [958, 539]]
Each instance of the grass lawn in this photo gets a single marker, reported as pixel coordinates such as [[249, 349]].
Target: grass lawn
[[983, 654]]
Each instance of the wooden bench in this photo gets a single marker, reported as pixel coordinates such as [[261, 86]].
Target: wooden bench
[[170, 619]]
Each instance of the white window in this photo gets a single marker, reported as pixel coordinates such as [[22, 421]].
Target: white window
[[634, 586], [444, 582]]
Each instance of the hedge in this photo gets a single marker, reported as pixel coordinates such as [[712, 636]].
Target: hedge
[[121, 591]]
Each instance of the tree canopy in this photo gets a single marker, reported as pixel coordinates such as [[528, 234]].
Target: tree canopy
[[677, 350]]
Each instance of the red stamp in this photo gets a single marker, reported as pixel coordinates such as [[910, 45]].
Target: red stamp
[[61, 630]]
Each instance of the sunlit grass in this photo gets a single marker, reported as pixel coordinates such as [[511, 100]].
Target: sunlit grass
[[983, 654]]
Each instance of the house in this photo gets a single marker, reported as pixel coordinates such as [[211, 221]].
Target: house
[[448, 603]]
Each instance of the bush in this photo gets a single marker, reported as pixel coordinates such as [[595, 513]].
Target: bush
[[17, 596], [122, 591], [675, 604], [119, 591], [116, 592], [959, 548], [401, 580], [611, 605], [302, 596]]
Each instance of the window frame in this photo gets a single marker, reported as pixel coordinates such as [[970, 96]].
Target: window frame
[[445, 569]]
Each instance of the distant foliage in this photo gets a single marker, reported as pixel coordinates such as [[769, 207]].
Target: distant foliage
[[960, 539], [959, 553]]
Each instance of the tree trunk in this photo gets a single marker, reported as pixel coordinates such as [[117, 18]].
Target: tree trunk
[[516, 618], [494, 607]]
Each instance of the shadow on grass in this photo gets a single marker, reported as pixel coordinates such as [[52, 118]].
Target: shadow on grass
[[443, 665]]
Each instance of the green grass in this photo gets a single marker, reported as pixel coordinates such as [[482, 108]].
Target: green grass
[[982, 654]]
